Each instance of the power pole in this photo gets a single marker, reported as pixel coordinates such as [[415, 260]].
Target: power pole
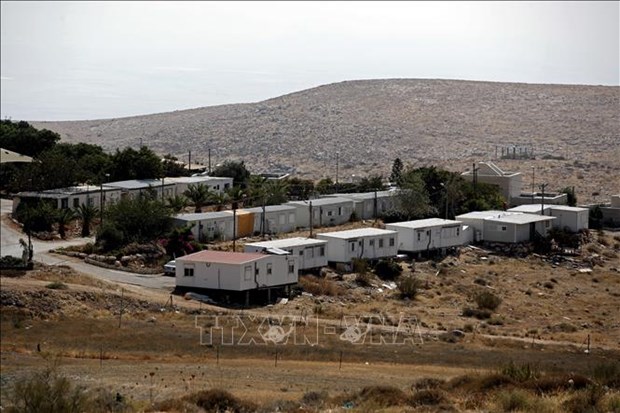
[[376, 214], [262, 223], [542, 203], [234, 208], [311, 223], [475, 171], [533, 185], [337, 161], [189, 161], [209, 161]]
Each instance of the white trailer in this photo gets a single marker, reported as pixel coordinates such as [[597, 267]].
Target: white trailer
[[370, 243], [428, 234], [311, 252]]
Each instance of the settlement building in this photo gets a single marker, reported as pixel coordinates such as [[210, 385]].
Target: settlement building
[[235, 272], [325, 211], [71, 197], [572, 218], [208, 226], [310, 252], [274, 219], [214, 183], [428, 234], [509, 183], [370, 243], [504, 226], [134, 187], [370, 205]]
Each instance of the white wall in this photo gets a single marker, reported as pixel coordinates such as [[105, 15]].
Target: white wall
[[370, 247], [421, 239], [308, 256]]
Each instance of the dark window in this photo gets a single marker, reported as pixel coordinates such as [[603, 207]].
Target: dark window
[[392, 242], [64, 203], [76, 202], [188, 272], [381, 243]]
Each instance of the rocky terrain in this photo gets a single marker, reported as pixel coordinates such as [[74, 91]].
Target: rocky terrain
[[574, 131]]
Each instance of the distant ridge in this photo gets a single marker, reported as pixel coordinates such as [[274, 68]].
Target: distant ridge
[[370, 122]]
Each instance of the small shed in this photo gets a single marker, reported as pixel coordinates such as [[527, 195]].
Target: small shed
[[325, 211], [428, 234], [311, 252], [370, 243], [235, 271], [275, 219]]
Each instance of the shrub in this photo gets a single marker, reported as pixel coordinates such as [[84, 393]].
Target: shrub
[[388, 269], [363, 279], [427, 397], [382, 396], [520, 372], [474, 312], [513, 400], [57, 285], [314, 398], [428, 383], [109, 237], [486, 300], [47, 391], [217, 400], [360, 265], [409, 286], [37, 217], [587, 400], [9, 261], [319, 286], [607, 374]]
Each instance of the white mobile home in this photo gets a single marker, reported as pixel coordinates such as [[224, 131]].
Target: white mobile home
[[504, 226], [573, 218], [235, 271], [370, 243], [369, 205], [208, 226], [310, 252], [71, 197], [428, 234], [325, 211], [214, 183], [276, 219], [134, 187], [475, 221]]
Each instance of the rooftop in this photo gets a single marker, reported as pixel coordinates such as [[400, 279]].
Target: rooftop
[[485, 214], [195, 179], [222, 257], [425, 223], [204, 216], [138, 183], [288, 242], [321, 201], [270, 208], [521, 218], [62, 192], [529, 208], [357, 233], [363, 195]]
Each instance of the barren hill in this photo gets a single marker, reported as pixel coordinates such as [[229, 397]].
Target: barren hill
[[371, 122]]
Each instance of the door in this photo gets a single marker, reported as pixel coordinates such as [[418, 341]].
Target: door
[[532, 231]]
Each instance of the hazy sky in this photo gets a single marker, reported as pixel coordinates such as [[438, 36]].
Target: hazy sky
[[90, 60]]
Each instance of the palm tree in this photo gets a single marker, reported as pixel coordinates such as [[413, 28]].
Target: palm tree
[[276, 192], [257, 189], [177, 203], [237, 194], [220, 199], [86, 213], [63, 218], [199, 195]]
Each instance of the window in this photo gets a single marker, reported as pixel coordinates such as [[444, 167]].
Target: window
[[64, 203], [188, 271], [310, 253], [391, 241], [504, 228], [371, 242], [247, 273], [269, 269], [76, 202], [226, 186], [322, 251], [291, 267], [381, 243], [352, 245], [256, 271], [546, 224], [458, 231], [419, 235], [339, 210], [217, 187], [329, 213], [301, 253], [282, 219], [91, 201]]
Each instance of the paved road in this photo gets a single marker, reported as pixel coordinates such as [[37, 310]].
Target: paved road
[[9, 245]]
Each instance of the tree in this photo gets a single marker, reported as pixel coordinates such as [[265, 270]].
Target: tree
[[371, 183], [199, 195], [23, 138], [300, 189], [325, 186], [86, 213], [237, 196], [177, 203], [132, 164], [571, 198], [413, 201], [171, 167], [235, 170], [220, 199], [276, 192], [397, 171], [63, 218]]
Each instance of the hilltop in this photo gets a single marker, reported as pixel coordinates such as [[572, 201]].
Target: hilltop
[[371, 122]]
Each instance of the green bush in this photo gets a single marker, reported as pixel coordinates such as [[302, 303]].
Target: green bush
[[486, 300], [514, 400], [474, 312], [360, 265], [520, 372], [9, 261], [607, 374], [109, 237], [36, 216], [57, 285], [388, 269], [409, 286]]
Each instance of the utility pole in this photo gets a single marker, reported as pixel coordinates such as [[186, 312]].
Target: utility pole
[[337, 161], [234, 208], [475, 171], [533, 186], [375, 205], [311, 224], [209, 161], [542, 203], [262, 223], [189, 161]]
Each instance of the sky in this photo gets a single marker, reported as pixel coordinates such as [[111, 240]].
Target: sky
[[96, 60]]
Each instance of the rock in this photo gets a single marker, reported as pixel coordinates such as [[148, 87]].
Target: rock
[[117, 263], [458, 333]]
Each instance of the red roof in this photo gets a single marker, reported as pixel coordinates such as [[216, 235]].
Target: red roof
[[222, 257]]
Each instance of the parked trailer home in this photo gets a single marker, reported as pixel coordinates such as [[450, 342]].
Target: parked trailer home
[[214, 183], [572, 218], [370, 243], [71, 197], [369, 205], [232, 273], [325, 211], [310, 252], [277, 219], [134, 187], [509, 227], [428, 234], [208, 226]]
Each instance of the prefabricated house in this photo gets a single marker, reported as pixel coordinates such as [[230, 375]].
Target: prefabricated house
[[71, 197], [325, 211], [235, 271], [611, 212], [214, 183], [428, 234], [274, 219], [504, 226], [311, 252], [370, 243], [572, 218], [208, 226], [369, 205], [134, 187], [537, 198], [509, 183]]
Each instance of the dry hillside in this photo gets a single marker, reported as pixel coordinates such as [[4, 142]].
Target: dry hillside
[[371, 122]]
